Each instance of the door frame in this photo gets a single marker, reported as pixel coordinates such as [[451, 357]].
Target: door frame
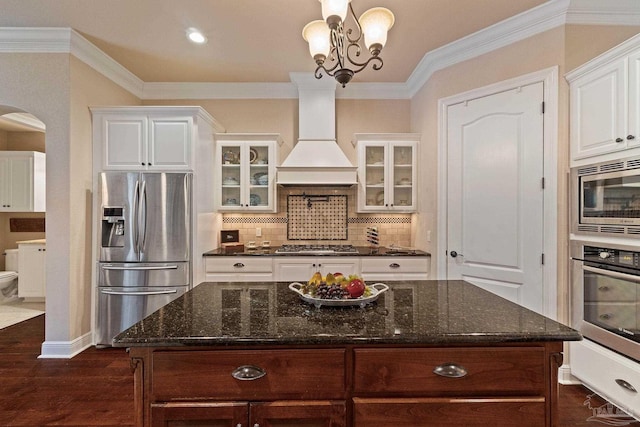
[[549, 78]]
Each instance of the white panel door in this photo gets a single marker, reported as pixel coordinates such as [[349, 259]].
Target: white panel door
[[495, 196]]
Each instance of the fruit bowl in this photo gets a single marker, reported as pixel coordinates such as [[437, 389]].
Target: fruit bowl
[[374, 292]]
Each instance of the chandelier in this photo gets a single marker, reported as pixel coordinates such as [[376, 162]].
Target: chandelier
[[329, 39]]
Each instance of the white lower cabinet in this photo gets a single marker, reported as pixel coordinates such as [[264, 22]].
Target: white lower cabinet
[[607, 373], [298, 269], [32, 277], [395, 268], [238, 269]]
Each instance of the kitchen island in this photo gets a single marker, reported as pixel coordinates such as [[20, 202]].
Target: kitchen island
[[426, 353]]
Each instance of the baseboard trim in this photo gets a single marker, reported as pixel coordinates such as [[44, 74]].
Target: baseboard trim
[[65, 349], [565, 377]]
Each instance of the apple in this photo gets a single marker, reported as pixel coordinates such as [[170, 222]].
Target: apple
[[355, 288]]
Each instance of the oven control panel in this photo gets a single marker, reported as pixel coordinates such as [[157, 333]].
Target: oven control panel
[[612, 256]]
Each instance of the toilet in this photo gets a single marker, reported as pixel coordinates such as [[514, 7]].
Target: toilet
[[9, 278]]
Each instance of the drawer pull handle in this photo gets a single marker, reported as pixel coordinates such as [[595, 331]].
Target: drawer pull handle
[[603, 288], [605, 316], [248, 373], [238, 265], [622, 383], [450, 370], [394, 265]]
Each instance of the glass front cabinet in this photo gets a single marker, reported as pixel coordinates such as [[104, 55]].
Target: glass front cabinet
[[387, 173], [245, 172]]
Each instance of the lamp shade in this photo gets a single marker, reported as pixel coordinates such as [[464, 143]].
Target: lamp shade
[[316, 33], [375, 23], [335, 8]]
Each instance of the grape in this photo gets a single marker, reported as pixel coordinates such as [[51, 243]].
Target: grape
[[334, 291]]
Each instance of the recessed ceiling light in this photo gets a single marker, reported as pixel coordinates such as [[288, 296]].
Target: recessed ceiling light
[[196, 36]]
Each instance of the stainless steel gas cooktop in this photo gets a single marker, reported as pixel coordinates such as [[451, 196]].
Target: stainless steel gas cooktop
[[316, 249]]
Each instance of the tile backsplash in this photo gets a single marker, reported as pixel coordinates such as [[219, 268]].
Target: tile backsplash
[[332, 221]]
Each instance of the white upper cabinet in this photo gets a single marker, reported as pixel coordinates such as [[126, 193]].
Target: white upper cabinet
[[387, 172], [245, 170], [22, 181], [147, 138], [605, 105]]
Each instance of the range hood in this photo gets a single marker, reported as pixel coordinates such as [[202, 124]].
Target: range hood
[[316, 159]]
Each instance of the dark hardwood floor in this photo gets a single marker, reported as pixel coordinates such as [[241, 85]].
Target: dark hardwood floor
[[95, 388]]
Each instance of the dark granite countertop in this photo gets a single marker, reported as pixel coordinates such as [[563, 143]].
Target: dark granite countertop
[[429, 312], [362, 251]]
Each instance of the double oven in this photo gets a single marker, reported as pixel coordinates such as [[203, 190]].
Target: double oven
[[605, 253]]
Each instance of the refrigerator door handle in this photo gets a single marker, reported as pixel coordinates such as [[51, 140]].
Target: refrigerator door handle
[[142, 220], [136, 200], [150, 267], [138, 293]]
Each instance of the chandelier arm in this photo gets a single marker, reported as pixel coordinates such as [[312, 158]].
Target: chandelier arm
[[328, 71], [350, 30], [375, 60]]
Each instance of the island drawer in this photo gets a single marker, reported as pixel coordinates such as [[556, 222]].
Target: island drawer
[[450, 412], [289, 374], [237, 264], [490, 370]]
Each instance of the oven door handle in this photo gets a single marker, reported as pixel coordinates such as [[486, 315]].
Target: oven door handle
[[615, 274]]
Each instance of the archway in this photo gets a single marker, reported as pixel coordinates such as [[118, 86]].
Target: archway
[[22, 214]]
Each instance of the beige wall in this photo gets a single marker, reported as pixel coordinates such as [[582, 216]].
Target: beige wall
[[88, 88]]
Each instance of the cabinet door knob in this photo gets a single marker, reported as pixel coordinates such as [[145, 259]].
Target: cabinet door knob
[[450, 370], [238, 265], [248, 373], [630, 137], [619, 139], [142, 163]]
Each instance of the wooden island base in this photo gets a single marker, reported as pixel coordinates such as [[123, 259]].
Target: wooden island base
[[508, 384]]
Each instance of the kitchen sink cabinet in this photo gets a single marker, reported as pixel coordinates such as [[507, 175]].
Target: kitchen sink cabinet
[[22, 181], [387, 172], [245, 170], [300, 269], [605, 105]]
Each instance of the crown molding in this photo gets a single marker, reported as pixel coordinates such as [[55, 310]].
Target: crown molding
[[537, 20], [604, 12], [527, 24], [67, 40], [34, 40], [88, 53]]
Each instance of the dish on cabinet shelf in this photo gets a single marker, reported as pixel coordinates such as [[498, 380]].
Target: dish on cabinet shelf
[[253, 155], [380, 198], [376, 289], [230, 181], [254, 200]]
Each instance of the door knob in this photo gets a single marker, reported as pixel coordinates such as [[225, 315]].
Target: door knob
[[454, 254]]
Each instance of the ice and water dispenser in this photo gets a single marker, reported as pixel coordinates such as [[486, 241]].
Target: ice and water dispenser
[[113, 227]]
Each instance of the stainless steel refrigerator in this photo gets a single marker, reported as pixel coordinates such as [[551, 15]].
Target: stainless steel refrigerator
[[144, 249]]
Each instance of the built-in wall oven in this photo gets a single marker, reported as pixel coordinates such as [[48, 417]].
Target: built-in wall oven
[[606, 295], [606, 198]]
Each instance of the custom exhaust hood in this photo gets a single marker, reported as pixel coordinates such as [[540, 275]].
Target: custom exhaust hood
[[316, 159]]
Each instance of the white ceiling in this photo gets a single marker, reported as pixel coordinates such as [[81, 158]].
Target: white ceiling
[[249, 40]]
